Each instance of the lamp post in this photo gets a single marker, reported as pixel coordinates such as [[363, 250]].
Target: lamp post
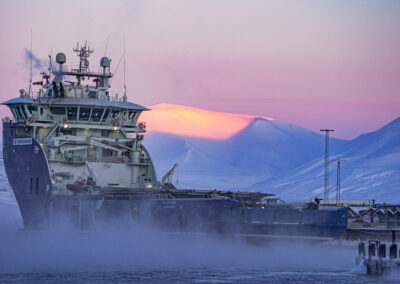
[[326, 178]]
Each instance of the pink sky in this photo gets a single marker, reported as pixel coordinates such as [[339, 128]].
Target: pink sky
[[194, 122], [315, 64]]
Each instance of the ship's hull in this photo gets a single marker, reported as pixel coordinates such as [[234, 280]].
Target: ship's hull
[[29, 176]]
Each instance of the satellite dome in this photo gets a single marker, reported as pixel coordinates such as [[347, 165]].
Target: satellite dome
[[61, 58], [105, 62]]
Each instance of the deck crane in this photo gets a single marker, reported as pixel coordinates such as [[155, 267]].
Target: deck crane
[[167, 178]]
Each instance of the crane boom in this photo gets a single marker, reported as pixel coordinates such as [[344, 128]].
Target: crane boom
[[167, 178]]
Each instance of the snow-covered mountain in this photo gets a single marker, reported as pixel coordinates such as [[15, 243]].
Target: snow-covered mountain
[[370, 170], [234, 151], [263, 148]]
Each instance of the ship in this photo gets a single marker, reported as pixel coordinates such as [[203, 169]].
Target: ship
[[74, 157]]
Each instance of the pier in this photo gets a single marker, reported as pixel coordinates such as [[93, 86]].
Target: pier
[[379, 257]]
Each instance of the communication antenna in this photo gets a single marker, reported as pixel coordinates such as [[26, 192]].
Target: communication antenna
[[326, 179], [116, 68], [338, 184], [124, 65], [124, 97], [50, 62], [30, 73], [105, 50]]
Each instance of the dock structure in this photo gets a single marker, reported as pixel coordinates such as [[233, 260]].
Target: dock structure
[[379, 258]]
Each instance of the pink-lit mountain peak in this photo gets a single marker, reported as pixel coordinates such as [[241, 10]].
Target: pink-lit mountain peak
[[195, 122]]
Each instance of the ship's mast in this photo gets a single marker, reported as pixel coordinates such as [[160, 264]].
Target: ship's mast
[[83, 53]]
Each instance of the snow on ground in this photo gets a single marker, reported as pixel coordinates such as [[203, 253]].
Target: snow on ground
[[369, 170], [263, 149]]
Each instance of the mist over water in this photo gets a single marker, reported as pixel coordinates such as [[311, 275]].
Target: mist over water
[[127, 251], [144, 254]]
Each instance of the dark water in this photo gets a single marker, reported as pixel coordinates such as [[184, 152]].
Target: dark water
[[201, 275], [70, 258], [143, 255]]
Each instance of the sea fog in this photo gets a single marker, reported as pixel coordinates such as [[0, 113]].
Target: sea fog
[[147, 255]]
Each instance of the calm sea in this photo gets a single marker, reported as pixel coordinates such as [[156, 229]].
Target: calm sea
[[143, 256], [192, 275]]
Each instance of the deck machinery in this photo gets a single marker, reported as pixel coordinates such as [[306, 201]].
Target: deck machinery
[[74, 157]]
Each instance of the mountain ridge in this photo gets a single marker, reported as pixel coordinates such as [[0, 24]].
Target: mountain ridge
[[370, 170], [263, 148]]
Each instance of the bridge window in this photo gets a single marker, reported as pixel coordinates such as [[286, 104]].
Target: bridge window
[[58, 110], [132, 115], [72, 113], [24, 114], [97, 113], [14, 112], [114, 113], [84, 113], [19, 114], [32, 109], [106, 114]]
